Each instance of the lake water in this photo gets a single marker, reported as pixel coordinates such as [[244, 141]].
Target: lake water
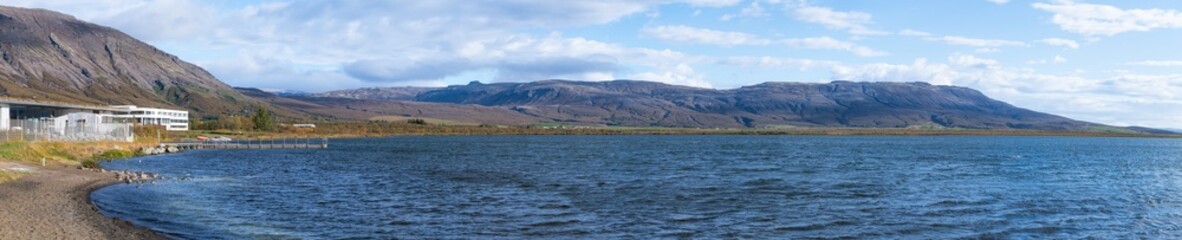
[[613, 187]]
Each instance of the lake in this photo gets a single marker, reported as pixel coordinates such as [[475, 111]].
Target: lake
[[613, 187]]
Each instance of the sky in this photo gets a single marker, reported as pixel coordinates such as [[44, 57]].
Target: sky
[[1112, 62]]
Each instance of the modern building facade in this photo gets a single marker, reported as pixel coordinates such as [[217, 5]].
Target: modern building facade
[[38, 121], [172, 120]]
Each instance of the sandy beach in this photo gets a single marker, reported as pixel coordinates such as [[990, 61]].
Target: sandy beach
[[54, 203]]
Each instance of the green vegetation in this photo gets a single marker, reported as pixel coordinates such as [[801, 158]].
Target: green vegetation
[[114, 154], [67, 153], [421, 120], [90, 164], [1108, 129], [262, 120]]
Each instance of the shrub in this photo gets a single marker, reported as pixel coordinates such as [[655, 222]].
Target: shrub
[[113, 154], [90, 164], [418, 121]]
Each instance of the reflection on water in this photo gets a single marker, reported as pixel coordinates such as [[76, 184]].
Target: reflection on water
[[608, 187]]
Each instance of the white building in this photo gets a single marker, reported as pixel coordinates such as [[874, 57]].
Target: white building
[[172, 120], [39, 121]]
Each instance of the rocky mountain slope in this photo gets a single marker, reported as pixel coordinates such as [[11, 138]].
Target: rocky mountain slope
[[337, 108], [392, 93], [769, 105], [49, 56]]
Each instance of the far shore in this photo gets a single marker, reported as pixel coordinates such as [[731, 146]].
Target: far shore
[[356, 130]]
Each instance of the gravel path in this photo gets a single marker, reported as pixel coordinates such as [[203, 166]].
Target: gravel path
[[54, 203]]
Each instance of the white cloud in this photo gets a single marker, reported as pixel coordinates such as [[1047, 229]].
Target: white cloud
[[680, 74], [713, 3], [998, 1], [987, 50], [1096, 19], [983, 45], [975, 42], [686, 34], [914, 33], [1060, 42], [1057, 59], [751, 11], [920, 70], [775, 62], [965, 60], [830, 43], [1123, 99], [1157, 63], [853, 21]]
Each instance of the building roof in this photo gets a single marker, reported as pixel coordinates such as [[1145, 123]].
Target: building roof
[[114, 108], [54, 105]]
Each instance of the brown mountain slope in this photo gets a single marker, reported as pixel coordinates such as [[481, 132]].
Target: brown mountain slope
[[839, 104], [337, 108], [49, 56]]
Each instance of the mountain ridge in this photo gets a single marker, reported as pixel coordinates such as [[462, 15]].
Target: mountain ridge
[[838, 104]]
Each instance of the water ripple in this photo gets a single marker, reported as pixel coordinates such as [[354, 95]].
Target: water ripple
[[611, 187]]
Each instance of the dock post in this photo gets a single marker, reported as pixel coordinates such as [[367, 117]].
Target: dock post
[[324, 143]]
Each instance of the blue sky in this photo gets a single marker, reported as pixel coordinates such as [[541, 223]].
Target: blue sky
[[1114, 62]]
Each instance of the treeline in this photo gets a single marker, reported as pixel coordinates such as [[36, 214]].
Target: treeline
[[260, 121], [411, 127]]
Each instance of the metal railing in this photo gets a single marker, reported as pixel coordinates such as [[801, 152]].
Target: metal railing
[[49, 130], [258, 143]]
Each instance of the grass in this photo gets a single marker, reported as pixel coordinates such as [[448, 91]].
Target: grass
[[6, 176], [66, 153], [1108, 129]]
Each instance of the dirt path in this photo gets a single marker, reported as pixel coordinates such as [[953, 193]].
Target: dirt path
[[54, 203]]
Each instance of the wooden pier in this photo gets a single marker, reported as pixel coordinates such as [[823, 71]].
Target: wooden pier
[[282, 143]]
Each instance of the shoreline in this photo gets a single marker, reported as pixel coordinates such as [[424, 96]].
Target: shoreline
[[54, 203]]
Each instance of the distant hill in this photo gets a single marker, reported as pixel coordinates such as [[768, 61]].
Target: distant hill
[[769, 105], [390, 93], [49, 56], [334, 108]]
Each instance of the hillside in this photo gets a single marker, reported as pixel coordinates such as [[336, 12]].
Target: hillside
[[336, 108], [837, 104], [49, 56]]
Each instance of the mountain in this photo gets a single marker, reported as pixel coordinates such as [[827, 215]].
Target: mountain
[[334, 108], [836, 104], [839, 104], [388, 93], [49, 56]]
